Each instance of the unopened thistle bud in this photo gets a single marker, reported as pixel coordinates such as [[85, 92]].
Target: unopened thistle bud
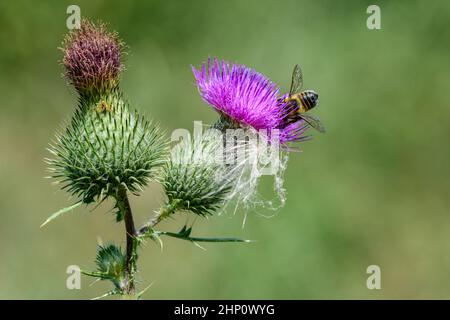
[[92, 58], [104, 149], [107, 145], [196, 179], [110, 263]]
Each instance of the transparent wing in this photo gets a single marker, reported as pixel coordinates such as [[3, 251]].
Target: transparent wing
[[313, 122], [297, 80]]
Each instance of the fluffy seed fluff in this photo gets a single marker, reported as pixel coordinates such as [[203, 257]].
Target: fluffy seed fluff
[[253, 155]]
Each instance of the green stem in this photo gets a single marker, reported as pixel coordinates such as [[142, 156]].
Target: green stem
[[131, 254], [163, 213]]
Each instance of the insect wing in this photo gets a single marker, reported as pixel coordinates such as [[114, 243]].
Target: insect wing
[[313, 122], [297, 80]]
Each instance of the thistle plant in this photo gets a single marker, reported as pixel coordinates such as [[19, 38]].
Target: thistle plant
[[108, 150]]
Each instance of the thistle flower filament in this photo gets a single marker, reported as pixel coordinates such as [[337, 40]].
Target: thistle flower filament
[[92, 58], [245, 97]]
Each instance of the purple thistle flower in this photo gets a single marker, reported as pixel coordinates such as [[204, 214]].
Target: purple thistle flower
[[92, 57], [247, 97]]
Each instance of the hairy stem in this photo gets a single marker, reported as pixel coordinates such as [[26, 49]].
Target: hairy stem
[[131, 254]]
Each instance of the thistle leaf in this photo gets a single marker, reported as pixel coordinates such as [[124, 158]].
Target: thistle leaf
[[96, 274], [184, 234], [139, 295], [61, 212], [110, 293]]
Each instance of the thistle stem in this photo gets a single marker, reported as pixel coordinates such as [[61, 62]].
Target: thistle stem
[[163, 213], [131, 255]]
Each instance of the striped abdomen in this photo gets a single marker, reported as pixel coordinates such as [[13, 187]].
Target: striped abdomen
[[306, 100]]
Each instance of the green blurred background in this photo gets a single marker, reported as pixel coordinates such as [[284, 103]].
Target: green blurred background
[[373, 190]]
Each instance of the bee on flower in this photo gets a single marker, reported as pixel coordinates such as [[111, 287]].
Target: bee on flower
[[247, 98]]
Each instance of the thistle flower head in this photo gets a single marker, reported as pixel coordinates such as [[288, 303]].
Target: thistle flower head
[[196, 179], [92, 57], [106, 146], [247, 98]]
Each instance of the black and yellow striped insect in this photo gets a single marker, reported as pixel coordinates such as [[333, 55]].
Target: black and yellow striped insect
[[302, 101]]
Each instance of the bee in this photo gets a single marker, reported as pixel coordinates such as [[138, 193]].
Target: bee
[[103, 106], [302, 101]]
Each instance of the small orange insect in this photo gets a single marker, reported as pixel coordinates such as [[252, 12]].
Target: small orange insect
[[104, 106]]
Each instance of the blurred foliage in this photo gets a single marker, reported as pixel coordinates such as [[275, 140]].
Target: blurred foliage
[[373, 190]]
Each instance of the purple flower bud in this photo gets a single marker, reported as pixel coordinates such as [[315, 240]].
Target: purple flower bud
[[92, 57]]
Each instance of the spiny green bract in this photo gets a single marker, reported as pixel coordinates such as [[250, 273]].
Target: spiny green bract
[[105, 146], [110, 263], [195, 179]]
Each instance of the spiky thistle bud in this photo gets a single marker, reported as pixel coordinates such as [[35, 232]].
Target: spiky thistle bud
[[110, 261], [196, 178], [106, 145], [92, 58], [102, 150]]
